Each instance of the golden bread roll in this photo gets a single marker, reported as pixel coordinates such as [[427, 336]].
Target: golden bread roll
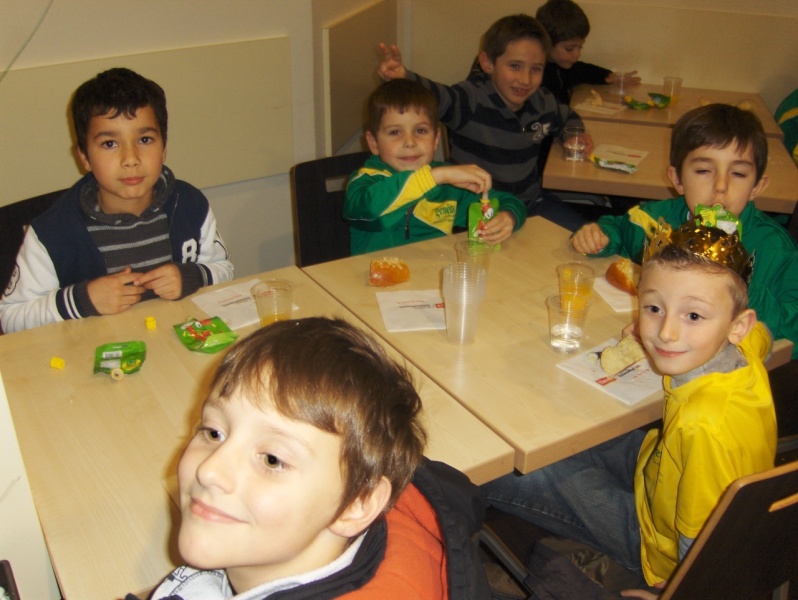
[[388, 271], [623, 274], [623, 354]]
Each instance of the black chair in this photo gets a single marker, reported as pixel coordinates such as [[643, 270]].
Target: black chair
[[13, 220], [749, 546], [321, 234]]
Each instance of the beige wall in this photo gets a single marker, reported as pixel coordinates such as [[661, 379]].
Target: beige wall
[[715, 44], [733, 44]]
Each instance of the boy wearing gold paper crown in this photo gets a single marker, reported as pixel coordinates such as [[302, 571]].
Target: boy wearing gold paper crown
[[643, 497], [717, 159]]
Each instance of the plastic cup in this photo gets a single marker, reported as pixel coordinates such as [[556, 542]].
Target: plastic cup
[[574, 143], [474, 252], [671, 86], [463, 288], [576, 278], [620, 84], [274, 299], [567, 316]]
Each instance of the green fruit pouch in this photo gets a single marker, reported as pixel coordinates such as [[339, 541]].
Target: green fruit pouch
[[120, 358], [719, 217], [479, 213], [206, 335]]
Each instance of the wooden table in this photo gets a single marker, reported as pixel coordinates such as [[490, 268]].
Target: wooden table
[[689, 98], [650, 180], [508, 377], [100, 453]]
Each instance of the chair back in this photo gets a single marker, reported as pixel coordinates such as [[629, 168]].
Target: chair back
[[749, 546], [321, 234], [13, 220]]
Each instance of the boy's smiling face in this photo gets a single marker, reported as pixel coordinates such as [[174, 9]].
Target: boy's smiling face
[[686, 317], [259, 494], [406, 141], [518, 72], [126, 155], [566, 53], [725, 176]]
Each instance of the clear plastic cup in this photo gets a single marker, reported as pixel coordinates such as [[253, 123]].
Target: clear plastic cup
[[567, 317], [671, 86], [576, 278], [274, 299], [574, 143], [463, 288], [475, 252]]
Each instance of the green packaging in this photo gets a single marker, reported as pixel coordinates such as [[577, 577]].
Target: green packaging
[[479, 213], [206, 335], [120, 358], [719, 217]]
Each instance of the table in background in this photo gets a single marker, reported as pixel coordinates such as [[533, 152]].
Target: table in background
[[650, 180], [689, 98], [99, 453], [508, 377]]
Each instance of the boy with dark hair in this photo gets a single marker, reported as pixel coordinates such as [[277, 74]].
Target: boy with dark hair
[[305, 479], [128, 230], [568, 27], [643, 497], [718, 157], [500, 116], [401, 195]]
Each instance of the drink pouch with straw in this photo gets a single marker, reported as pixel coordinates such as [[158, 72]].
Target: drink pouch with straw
[[479, 213], [717, 216]]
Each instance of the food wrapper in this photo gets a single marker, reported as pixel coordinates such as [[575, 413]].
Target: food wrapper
[[207, 335], [718, 217], [479, 213], [613, 164], [120, 358], [655, 101]]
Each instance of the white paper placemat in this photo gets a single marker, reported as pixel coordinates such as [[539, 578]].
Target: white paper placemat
[[606, 109], [629, 386], [618, 300], [412, 310], [629, 156]]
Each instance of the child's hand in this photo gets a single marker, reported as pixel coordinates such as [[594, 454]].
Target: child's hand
[[391, 66], [631, 329], [499, 228], [589, 239], [467, 177], [630, 79], [112, 294], [644, 594], [165, 281]]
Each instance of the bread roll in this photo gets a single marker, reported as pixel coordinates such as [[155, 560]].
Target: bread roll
[[388, 271], [623, 354], [623, 274]]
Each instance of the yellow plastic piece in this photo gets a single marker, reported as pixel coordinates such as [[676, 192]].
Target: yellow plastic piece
[[150, 322], [117, 374], [57, 363]]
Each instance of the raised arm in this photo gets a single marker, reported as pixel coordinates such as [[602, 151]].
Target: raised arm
[[391, 66]]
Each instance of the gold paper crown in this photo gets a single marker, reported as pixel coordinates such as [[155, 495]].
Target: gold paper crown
[[710, 242]]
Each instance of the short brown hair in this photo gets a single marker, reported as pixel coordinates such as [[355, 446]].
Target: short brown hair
[[512, 28], [563, 20], [331, 375], [679, 258], [718, 126], [400, 95]]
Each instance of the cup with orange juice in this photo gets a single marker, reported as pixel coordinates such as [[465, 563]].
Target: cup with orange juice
[[274, 299], [576, 278]]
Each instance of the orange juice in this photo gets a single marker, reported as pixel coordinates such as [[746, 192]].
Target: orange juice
[[269, 319]]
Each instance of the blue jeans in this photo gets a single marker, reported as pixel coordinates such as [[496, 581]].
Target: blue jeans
[[588, 497]]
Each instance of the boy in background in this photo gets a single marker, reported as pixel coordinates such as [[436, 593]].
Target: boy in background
[[499, 117], [128, 230], [718, 157], [568, 27], [401, 195], [298, 479], [643, 497]]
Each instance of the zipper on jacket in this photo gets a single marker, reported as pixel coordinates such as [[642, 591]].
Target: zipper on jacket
[[408, 216]]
